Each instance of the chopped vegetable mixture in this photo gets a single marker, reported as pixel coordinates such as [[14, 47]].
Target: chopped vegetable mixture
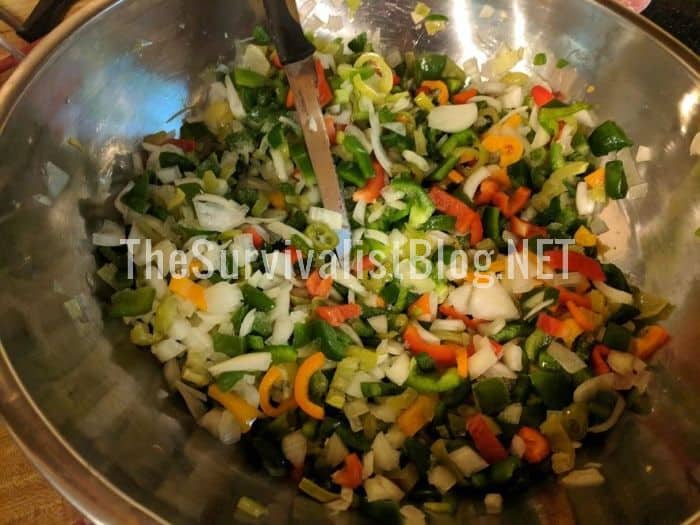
[[375, 389]]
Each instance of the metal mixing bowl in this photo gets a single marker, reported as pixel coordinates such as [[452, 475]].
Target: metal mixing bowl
[[88, 407]]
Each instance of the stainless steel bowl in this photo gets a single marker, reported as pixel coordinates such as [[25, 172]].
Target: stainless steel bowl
[[89, 408]]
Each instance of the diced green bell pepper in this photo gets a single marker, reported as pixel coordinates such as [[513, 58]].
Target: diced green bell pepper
[[606, 138], [131, 303]]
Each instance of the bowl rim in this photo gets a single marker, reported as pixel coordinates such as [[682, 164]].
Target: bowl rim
[[77, 481]]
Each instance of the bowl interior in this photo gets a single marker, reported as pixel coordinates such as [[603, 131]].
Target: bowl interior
[[129, 70]]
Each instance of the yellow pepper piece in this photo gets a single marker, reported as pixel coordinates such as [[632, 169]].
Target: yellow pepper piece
[[572, 331], [584, 237], [509, 148], [455, 176], [218, 116], [595, 179], [514, 121], [189, 290], [416, 416], [423, 101], [244, 413], [276, 198]]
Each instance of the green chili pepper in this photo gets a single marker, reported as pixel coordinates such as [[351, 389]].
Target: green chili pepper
[[255, 343], [276, 136], [449, 380], [615, 277], [321, 235], [282, 353], [256, 298], [401, 300], [137, 197], [391, 139], [503, 471], [418, 454], [574, 419], [549, 115], [624, 313], [615, 180], [131, 303], [302, 335], [439, 222], [425, 362], [521, 388], [360, 155], [262, 324], [601, 406], [556, 156], [231, 345], [511, 330], [238, 316], [298, 153], [318, 387], [421, 205], [350, 173], [429, 66], [228, 380], [491, 395], [547, 362], [540, 59], [492, 226], [247, 78], [463, 138], [380, 389], [617, 337], [357, 44], [332, 345], [553, 387], [444, 169], [519, 173], [353, 440], [260, 36], [168, 159], [606, 138]]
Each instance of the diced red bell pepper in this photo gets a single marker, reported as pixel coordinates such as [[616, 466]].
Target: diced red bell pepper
[[467, 219], [373, 187], [488, 445], [541, 95], [350, 476], [577, 262], [337, 314], [186, 145]]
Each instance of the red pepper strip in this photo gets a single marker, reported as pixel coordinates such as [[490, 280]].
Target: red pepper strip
[[578, 262], [582, 316], [566, 296], [337, 314], [258, 240], [526, 229], [487, 190], [467, 219], [463, 96], [275, 59], [598, 355], [443, 355], [541, 95], [294, 254], [325, 93], [350, 476], [518, 201], [396, 79], [373, 187], [449, 311], [186, 145], [551, 325], [485, 440]]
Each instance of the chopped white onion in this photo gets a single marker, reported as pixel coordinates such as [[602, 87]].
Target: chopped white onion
[[584, 204], [518, 446], [492, 302], [217, 213], [441, 478], [412, 515], [614, 417], [399, 370], [379, 488], [453, 118], [379, 323], [695, 144], [110, 234], [467, 460], [613, 294], [386, 458], [589, 477], [167, 349], [332, 219], [294, 448], [587, 390], [493, 503], [568, 360], [222, 298], [447, 325], [500, 370], [643, 154], [413, 158], [471, 185], [234, 101], [253, 362]]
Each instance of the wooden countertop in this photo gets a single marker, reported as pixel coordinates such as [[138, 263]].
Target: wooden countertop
[[25, 496]]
